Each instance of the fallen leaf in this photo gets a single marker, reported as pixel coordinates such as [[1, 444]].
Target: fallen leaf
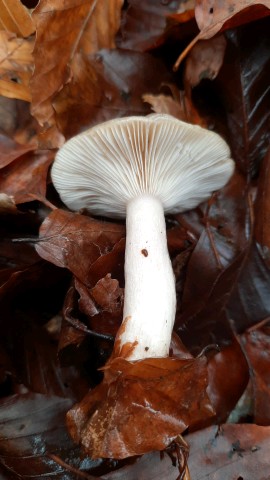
[[224, 453], [106, 86], [256, 345], [76, 241], [59, 39], [25, 178], [204, 60], [10, 150], [7, 204], [215, 16], [211, 15], [16, 65], [144, 24], [244, 89], [181, 108], [15, 17], [133, 410]]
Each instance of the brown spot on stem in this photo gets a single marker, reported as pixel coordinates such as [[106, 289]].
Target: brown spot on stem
[[144, 252]]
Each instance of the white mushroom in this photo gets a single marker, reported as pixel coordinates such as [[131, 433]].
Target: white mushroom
[[141, 167]]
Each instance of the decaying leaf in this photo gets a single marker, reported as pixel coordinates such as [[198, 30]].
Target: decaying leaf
[[215, 16], [76, 241], [59, 38], [133, 410], [205, 60], [16, 66], [26, 178]]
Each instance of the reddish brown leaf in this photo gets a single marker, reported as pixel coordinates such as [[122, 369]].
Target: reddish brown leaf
[[205, 60], [26, 178], [211, 15], [59, 37], [262, 224], [97, 93], [215, 16], [226, 385], [144, 23], [10, 150], [76, 241], [256, 344], [133, 411]]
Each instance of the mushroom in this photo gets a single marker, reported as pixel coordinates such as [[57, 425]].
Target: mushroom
[[143, 168]]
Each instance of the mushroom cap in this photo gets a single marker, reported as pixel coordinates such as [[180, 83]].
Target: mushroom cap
[[105, 167]]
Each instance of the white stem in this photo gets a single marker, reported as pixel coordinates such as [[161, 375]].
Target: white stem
[[150, 298]]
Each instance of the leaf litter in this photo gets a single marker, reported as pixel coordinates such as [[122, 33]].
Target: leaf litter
[[93, 61]]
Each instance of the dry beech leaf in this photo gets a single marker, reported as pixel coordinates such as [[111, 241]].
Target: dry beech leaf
[[16, 66], [140, 406], [205, 60], [16, 18], [183, 109], [106, 86], [10, 150], [76, 241], [26, 177], [214, 16], [64, 28], [144, 24]]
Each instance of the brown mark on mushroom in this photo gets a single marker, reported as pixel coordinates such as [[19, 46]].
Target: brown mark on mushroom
[[144, 252]]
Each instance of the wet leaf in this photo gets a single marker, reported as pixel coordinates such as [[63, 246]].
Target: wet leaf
[[133, 410], [244, 84]]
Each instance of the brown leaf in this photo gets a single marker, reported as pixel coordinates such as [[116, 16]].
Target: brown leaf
[[145, 23], [256, 344], [244, 87], [15, 17], [215, 16], [58, 40], [10, 150], [7, 204], [181, 108], [133, 411], [262, 224], [226, 385], [25, 178], [107, 294], [107, 86], [205, 60], [211, 15], [16, 65], [229, 452], [76, 241]]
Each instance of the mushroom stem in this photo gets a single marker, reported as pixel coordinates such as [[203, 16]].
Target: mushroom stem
[[150, 298]]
